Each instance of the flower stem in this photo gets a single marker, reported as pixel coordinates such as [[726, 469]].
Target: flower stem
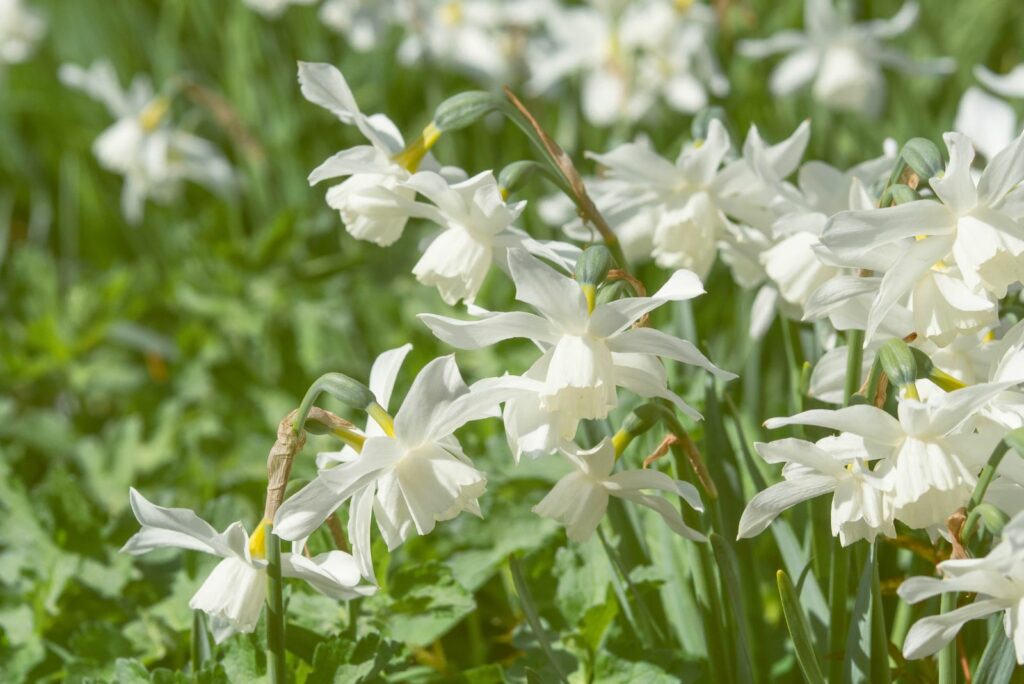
[[947, 656], [275, 612], [854, 356]]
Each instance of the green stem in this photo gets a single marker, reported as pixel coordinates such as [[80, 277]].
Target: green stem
[[987, 473], [854, 356], [275, 611], [947, 656], [837, 592], [879, 635]]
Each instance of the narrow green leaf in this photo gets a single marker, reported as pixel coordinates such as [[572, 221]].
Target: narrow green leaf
[[799, 630], [728, 570], [532, 616], [857, 661], [998, 662]]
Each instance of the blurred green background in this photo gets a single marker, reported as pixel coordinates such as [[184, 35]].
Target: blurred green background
[[164, 355]]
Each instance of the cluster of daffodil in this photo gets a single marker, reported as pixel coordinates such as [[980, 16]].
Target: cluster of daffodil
[[926, 253], [406, 470]]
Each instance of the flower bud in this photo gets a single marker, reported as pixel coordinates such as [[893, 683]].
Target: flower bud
[[640, 420], [901, 194], [923, 157], [516, 175], [465, 109], [352, 393], [898, 362], [616, 289], [592, 266]]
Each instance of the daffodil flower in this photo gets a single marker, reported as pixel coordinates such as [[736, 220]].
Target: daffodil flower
[[929, 457], [235, 591], [21, 27], [843, 59], [861, 508], [477, 231], [372, 200], [588, 351], [997, 581], [154, 157], [952, 258], [411, 472], [579, 500]]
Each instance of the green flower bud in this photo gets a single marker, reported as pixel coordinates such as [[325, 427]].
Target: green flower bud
[[352, 393], [923, 157], [898, 362], [640, 420], [592, 266], [464, 109], [616, 289], [901, 194], [517, 174]]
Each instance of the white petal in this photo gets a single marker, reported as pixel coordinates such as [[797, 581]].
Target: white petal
[[930, 634], [668, 512], [956, 186], [989, 121], [335, 573], [322, 84], [651, 341], [608, 319], [234, 592], [484, 332], [867, 421], [767, 505], [177, 528], [1007, 85], [436, 386], [1003, 173], [557, 297], [794, 72], [384, 372]]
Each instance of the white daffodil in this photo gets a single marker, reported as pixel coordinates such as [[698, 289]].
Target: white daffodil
[[861, 508], [843, 59], [687, 205], [477, 231], [154, 157], [272, 9], [929, 457], [21, 27], [486, 40], [411, 473], [792, 264], [579, 500], [997, 580], [948, 260], [362, 22], [627, 54], [372, 201], [588, 350], [234, 593], [675, 57]]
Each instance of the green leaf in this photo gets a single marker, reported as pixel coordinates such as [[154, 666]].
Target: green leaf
[[999, 661], [345, 661], [423, 602], [857, 660], [728, 570], [799, 630]]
